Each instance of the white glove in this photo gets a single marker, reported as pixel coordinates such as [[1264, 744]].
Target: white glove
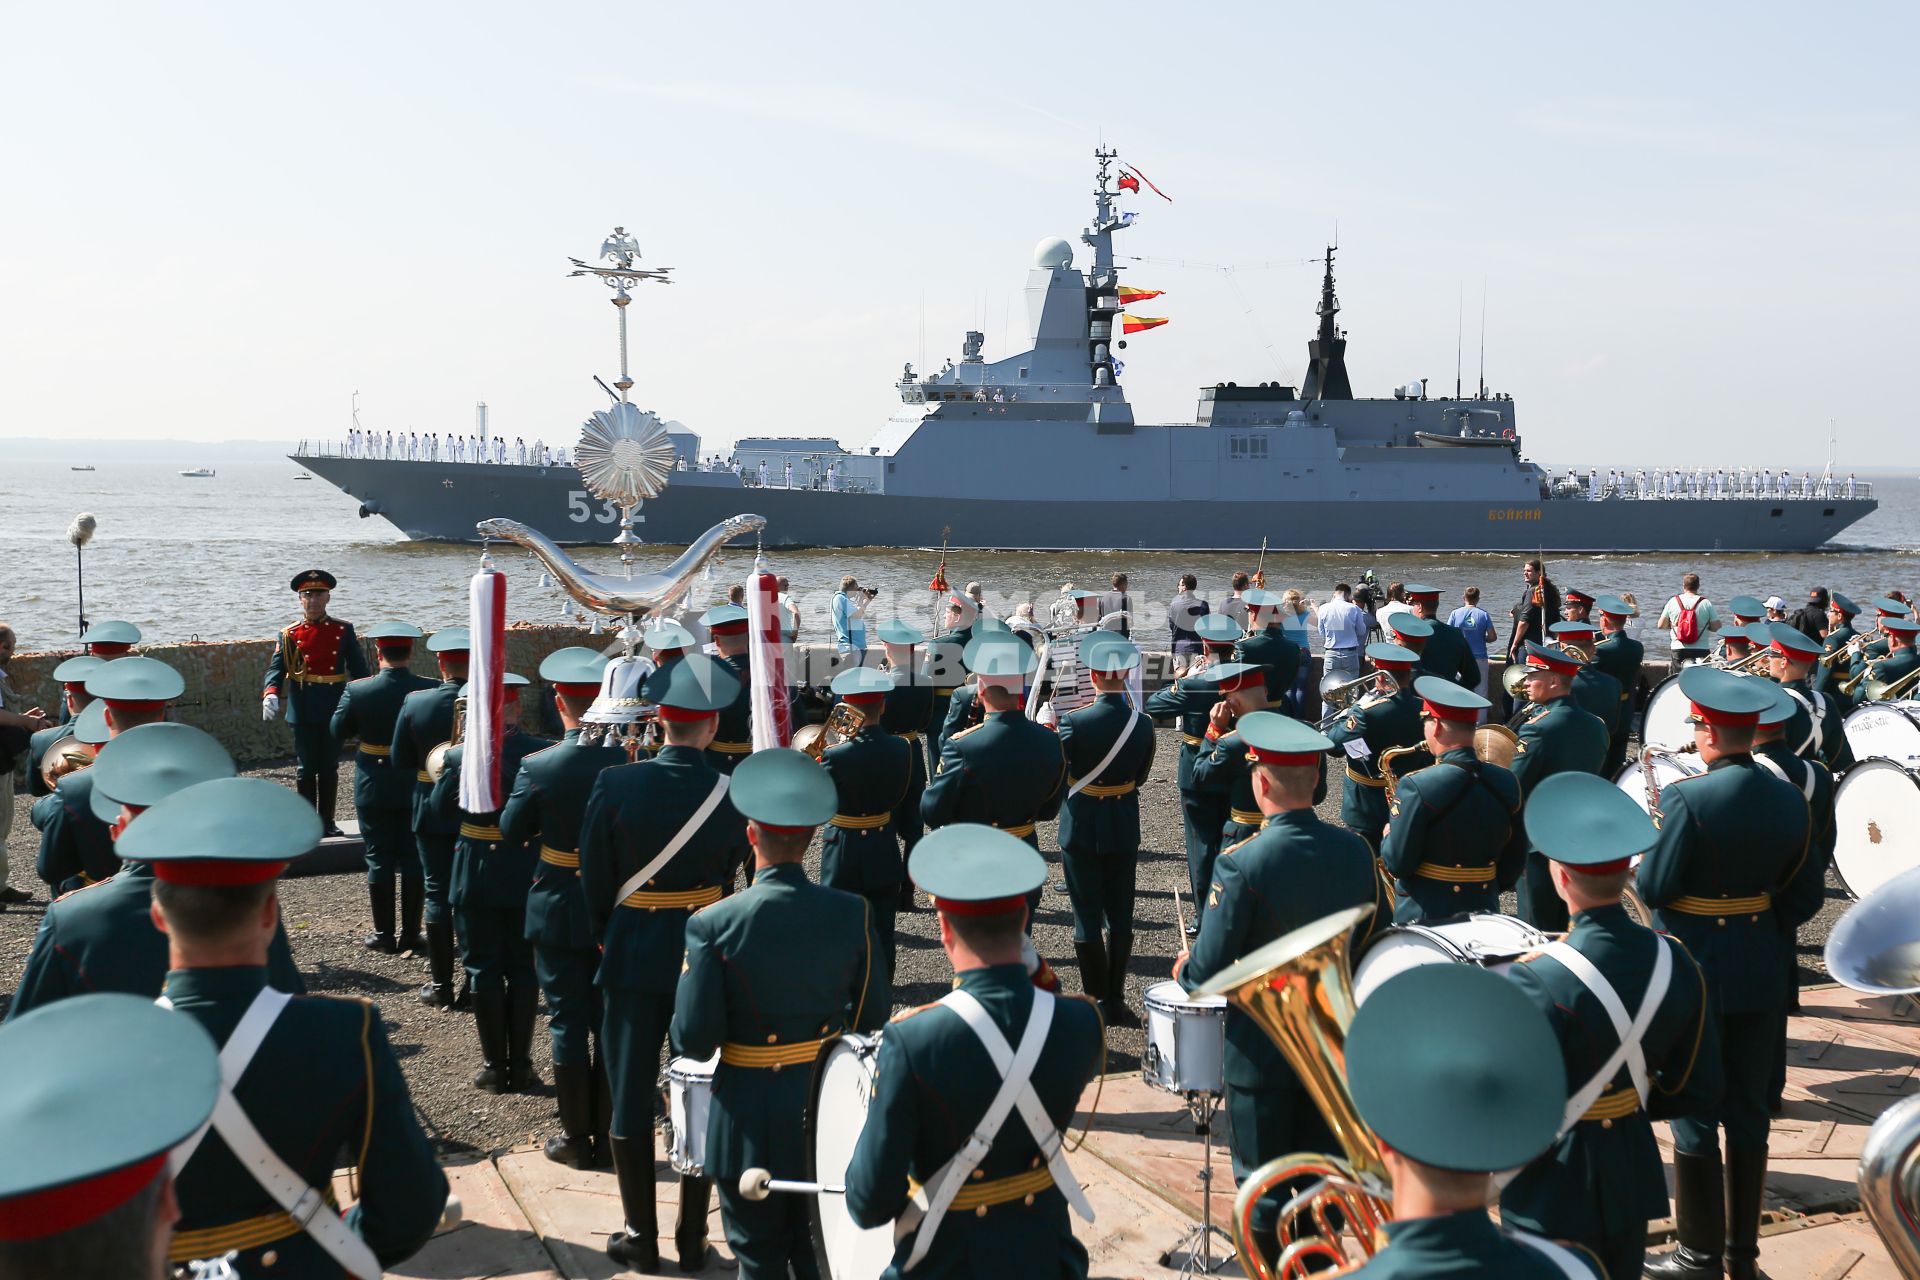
[[270, 707]]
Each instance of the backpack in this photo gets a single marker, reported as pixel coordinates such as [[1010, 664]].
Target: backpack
[[1686, 624]]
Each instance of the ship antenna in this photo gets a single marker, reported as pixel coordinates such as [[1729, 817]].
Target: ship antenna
[[1483, 338], [1459, 321]]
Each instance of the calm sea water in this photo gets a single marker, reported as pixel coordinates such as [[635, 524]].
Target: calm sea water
[[210, 559]]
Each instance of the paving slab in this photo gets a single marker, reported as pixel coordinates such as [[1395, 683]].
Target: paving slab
[[493, 1240], [575, 1210]]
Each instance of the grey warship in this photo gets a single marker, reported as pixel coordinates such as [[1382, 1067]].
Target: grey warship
[[1041, 451]]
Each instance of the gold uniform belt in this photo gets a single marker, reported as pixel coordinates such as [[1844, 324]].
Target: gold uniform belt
[[1354, 775], [1455, 875], [421, 775], [1099, 792], [559, 857], [1721, 906], [685, 900], [248, 1233], [1193, 740], [1248, 817], [306, 679], [980, 1196], [866, 822], [773, 1056], [369, 749], [1023, 830], [731, 748], [474, 831], [1614, 1104]]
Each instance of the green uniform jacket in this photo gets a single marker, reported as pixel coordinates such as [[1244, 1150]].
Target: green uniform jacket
[[76, 848], [946, 673], [324, 1089], [1830, 746], [546, 807], [1620, 656], [325, 648], [782, 962], [487, 873], [1464, 1244], [368, 712], [632, 812], [909, 713], [872, 772], [1192, 704], [1005, 772], [37, 747], [736, 718], [963, 712], [102, 938], [426, 721], [1393, 722], [1600, 696], [1734, 831], [1894, 666], [1823, 673], [1091, 824], [1461, 813], [934, 1083], [1558, 737], [1278, 656], [1448, 655], [1603, 1180]]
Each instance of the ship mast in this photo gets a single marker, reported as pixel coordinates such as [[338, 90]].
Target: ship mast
[[1103, 279], [1327, 352]]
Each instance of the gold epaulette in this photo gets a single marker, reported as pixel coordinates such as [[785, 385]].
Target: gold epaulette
[[972, 728], [1236, 845], [904, 1014]]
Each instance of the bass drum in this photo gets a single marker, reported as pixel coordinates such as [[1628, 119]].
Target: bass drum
[[1885, 731], [1490, 941], [1668, 767], [842, 1092], [1876, 819], [1664, 725]]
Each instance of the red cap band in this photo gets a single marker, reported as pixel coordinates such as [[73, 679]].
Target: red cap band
[[1415, 643], [48, 1213], [217, 871], [782, 831], [403, 643], [683, 715], [1244, 680], [1601, 868], [1731, 719], [136, 705], [452, 657], [1791, 655], [74, 686], [1424, 595], [1283, 759], [989, 907], [1561, 666], [663, 656], [863, 699], [1618, 617], [1391, 664], [1459, 715], [738, 628], [108, 648], [570, 689]]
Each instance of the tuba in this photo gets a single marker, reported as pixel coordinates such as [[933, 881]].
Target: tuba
[[843, 722], [1299, 991]]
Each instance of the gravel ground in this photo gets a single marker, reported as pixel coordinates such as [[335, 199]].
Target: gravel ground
[[327, 916]]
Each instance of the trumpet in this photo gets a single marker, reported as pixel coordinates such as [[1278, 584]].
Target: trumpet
[[1847, 651], [1852, 682], [1741, 664]]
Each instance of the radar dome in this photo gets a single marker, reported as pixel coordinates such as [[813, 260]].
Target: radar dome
[[1053, 253]]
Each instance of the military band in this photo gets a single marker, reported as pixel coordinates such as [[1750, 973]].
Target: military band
[[1620, 656], [1388, 717], [871, 774], [426, 722]]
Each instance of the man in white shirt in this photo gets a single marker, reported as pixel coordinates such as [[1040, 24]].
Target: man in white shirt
[[1343, 632], [1706, 619]]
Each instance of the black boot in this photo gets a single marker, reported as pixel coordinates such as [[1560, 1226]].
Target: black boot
[[1746, 1197], [413, 901], [521, 1000], [1700, 1220], [328, 796], [303, 783], [602, 1115], [1093, 967], [490, 1020], [439, 989], [690, 1228], [573, 1085], [1114, 1006], [380, 896], [637, 1245]]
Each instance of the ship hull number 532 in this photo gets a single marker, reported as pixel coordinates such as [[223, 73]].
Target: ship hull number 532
[[580, 508]]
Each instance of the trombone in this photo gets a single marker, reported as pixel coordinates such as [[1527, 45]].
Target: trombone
[[1882, 691]]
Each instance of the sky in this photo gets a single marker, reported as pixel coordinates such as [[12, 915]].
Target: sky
[[1691, 227]]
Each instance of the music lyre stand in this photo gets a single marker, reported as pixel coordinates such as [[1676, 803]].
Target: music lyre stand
[[1197, 1244]]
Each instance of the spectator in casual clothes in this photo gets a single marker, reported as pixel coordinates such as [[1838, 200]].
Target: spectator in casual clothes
[[1476, 624], [1117, 601], [849, 616], [18, 723], [1537, 609], [1811, 619], [1396, 602], [1234, 606], [789, 611], [1183, 610], [1343, 633], [1063, 608], [1298, 618], [1690, 616]]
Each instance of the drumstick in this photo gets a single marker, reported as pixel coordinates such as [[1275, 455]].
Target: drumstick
[[1179, 914], [758, 1184]]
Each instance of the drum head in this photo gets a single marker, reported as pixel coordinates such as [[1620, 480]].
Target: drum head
[[1487, 936], [1885, 731], [1876, 821], [842, 1092], [1665, 723], [1398, 949]]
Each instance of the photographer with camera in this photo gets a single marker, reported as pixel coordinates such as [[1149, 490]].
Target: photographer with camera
[[849, 616]]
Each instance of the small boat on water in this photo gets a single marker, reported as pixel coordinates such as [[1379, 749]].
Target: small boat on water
[[199, 473], [88, 468], [304, 475]]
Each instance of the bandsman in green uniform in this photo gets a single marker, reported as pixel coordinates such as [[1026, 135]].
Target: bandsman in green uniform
[[871, 772], [1575, 605], [667, 642], [1388, 717], [656, 846], [1841, 611], [1446, 653], [1203, 812], [1109, 749], [1901, 658], [545, 809], [102, 938], [1812, 780], [1266, 645], [964, 708], [733, 741], [1293, 871], [772, 973], [1601, 1181], [1556, 736], [306, 1078], [1408, 630], [110, 639], [312, 661], [1224, 772], [1459, 1077], [1593, 690], [1454, 840], [98, 1199], [1731, 860], [426, 721], [488, 893], [1818, 728], [1877, 644], [368, 712], [72, 676], [1620, 656], [1736, 643], [76, 849], [997, 1190], [946, 668], [909, 716]]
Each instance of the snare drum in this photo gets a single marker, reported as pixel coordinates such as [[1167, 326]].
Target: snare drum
[[842, 1092], [689, 1094], [1876, 819], [1665, 723], [1490, 941], [1186, 1041], [1668, 767], [1885, 731]]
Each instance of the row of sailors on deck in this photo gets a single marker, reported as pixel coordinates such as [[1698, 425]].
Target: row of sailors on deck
[[415, 446], [1741, 482]]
